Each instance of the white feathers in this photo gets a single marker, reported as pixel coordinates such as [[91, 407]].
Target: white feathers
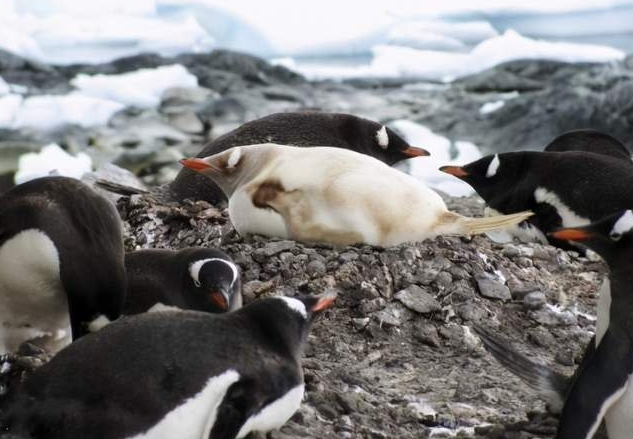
[[194, 269], [604, 409], [569, 217], [624, 224], [382, 137], [234, 158], [493, 166], [194, 418], [295, 305], [99, 323], [604, 307], [274, 415]]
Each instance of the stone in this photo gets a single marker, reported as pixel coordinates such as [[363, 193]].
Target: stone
[[493, 289], [418, 300], [534, 300]]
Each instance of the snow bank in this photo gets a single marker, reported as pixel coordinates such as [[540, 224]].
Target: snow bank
[[443, 152], [142, 88], [51, 159], [4, 87], [491, 107]]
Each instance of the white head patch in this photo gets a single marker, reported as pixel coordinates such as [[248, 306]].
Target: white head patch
[[295, 305], [624, 224], [194, 269], [382, 137], [493, 166], [234, 158]]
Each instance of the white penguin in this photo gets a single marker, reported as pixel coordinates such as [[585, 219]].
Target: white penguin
[[332, 195]]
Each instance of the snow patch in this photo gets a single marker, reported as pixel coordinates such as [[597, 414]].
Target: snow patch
[[443, 152], [54, 159], [491, 107]]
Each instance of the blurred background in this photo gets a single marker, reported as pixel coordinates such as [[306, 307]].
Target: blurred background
[[121, 89]]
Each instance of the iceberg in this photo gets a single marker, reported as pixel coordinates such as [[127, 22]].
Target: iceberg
[[51, 160]]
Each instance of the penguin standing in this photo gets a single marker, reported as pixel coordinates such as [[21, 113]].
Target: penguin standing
[[333, 195], [198, 279], [563, 189], [61, 262], [186, 375], [299, 129]]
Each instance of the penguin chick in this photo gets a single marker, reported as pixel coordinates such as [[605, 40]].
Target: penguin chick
[[332, 195], [61, 262], [304, 129], [194, 278], [186, 375], [563, 189]]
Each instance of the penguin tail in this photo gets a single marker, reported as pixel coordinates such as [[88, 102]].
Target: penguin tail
[[549, 384], [118, 188], [453, 223]]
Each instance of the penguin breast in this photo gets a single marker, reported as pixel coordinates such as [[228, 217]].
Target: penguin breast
[[247, 218]]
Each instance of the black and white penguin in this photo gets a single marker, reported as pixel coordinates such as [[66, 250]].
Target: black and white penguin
[[200, 279], [61, 262], [298, 129], [186, 375], [588, 140], [333, 195], [563, 189]]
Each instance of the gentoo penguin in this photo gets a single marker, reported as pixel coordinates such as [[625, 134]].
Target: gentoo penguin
[[61, 262], [186, 375], [298, 129], [332, 195], [590, 141], [563, 189], [200, 279]]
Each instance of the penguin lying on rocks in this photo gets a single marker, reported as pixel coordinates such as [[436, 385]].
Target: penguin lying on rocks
[[303, 129], [332, 195], [186, 375], [590, 141], [61, 262], [194, 278], [563, 189], [602, 387]]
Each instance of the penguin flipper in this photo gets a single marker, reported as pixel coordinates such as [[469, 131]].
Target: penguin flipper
[[236, 407], [596, 388], [551, 385]]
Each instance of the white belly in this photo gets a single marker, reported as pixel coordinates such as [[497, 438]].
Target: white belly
[[604, 306], [248, 219], [619, 418], [274, 415], [33, 303]]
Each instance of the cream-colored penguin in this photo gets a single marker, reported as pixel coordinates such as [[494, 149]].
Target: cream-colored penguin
[[333, 195]]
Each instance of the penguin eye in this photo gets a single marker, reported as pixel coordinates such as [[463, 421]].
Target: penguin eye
[[615, 236], [197, 283]]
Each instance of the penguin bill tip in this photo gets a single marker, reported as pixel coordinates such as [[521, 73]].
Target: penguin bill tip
[[414, 151], [195, 164], [456, 171], [326, 301]]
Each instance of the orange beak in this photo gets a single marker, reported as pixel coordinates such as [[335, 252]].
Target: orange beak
[[456, 171], [571, 234], [218, 299], [195, 164], [324, 302], [414, 151]]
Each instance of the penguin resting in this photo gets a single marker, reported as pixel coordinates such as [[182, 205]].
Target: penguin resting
[[590, 141], [332, 195], [186, 375], [61, 262], [198, 279], [563, 189], [298, 129]]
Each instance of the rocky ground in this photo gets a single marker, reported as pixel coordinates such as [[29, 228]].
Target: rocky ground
[[396, 356]]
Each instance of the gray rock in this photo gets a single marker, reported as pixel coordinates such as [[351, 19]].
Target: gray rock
[[418, 300], [534, 300], [493, 289]]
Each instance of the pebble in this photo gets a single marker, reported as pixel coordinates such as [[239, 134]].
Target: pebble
[[534, 300], [492, 289], [418, 300]]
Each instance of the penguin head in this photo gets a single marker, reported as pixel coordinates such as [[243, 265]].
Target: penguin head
[[491, 175], [229, 167], [608, 236], [377, 140], [215, 284], [287, 320]]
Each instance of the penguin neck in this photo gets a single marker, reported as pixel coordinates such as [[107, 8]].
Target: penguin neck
[[621, 277]]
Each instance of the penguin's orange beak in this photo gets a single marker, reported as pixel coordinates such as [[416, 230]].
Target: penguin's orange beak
[[195, 164], [456, 171], [324, 302], [571, 234], [218, 299], [414, 151]]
